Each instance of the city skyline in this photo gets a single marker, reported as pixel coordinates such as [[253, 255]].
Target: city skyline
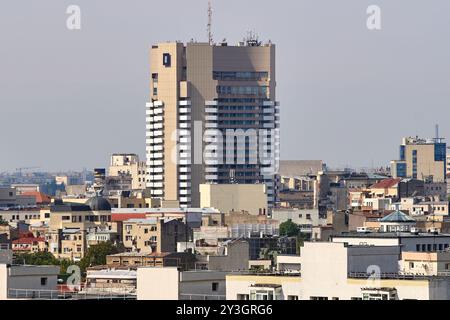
[[84, 95]]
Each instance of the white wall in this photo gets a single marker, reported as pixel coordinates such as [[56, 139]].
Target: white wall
[[157, 283], [3, 282]]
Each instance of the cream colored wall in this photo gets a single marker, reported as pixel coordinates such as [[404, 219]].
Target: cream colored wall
[[324, 274], [137, 231], [241, 284], [234, 197], [157, 283], [3, 282], [168, 93], [425, 162]]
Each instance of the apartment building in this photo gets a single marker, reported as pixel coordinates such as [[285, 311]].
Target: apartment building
[[423, 159], [20, 281], [70, 223], [29, 244], [339, 271], [171, 284], [205, 93], [425, 263], [154, 234], [182, 260], [10, 197], [129, 164], [251, 198]]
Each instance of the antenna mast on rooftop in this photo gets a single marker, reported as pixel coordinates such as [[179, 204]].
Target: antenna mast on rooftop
[[209, 28], [438, 139]]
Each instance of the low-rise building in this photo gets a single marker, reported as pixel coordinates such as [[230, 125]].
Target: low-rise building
[[425, 263], [154, 234], [171, 284], [111, 280], [181, 260], [337, 271], [24, 281], [29, 244], [408, 241], [251, 198]]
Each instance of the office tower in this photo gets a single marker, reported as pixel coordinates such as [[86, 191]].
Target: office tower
[[213, 118], [423, 159]]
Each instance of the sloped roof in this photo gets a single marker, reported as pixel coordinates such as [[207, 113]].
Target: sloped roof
[[28, 240], [116, 217], [387, 183], [40, 197], [397, 216]]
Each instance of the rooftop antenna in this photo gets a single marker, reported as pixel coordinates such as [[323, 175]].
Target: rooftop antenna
[[209, 28], [438, 139]]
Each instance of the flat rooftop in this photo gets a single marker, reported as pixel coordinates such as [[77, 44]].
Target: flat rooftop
[[390, 235]]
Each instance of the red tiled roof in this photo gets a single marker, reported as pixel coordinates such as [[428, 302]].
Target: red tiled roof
[[118, 217], [28, 240], [387, 183], [40, 197]]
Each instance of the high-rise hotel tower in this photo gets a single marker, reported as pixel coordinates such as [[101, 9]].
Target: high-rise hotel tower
[[213, 118]]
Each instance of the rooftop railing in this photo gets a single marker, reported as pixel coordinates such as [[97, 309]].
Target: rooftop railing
[[188, 296], [28, 294], [399, 276]]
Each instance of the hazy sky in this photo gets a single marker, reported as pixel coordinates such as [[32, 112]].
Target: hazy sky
[[68, 99]]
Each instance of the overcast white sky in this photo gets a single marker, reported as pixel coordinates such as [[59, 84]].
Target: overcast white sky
[[68, 99]]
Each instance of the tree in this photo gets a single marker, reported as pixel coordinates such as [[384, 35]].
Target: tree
[[3, 222], [301, 238], [289, 229], [41, 258], [96, 254]]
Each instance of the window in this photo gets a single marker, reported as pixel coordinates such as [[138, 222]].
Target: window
[[292, 297], [215, 286], [43, 281], [411, 265], [166, 59], [447, 266]]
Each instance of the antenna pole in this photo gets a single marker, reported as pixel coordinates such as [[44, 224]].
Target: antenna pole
[[209, 28]]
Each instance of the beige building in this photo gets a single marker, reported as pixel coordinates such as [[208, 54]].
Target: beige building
[[129, 164], [69, 224], [154, 234], [202, 90], [337, 271], [423, 159], [425, 263], [171, 284], [251, 198]]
